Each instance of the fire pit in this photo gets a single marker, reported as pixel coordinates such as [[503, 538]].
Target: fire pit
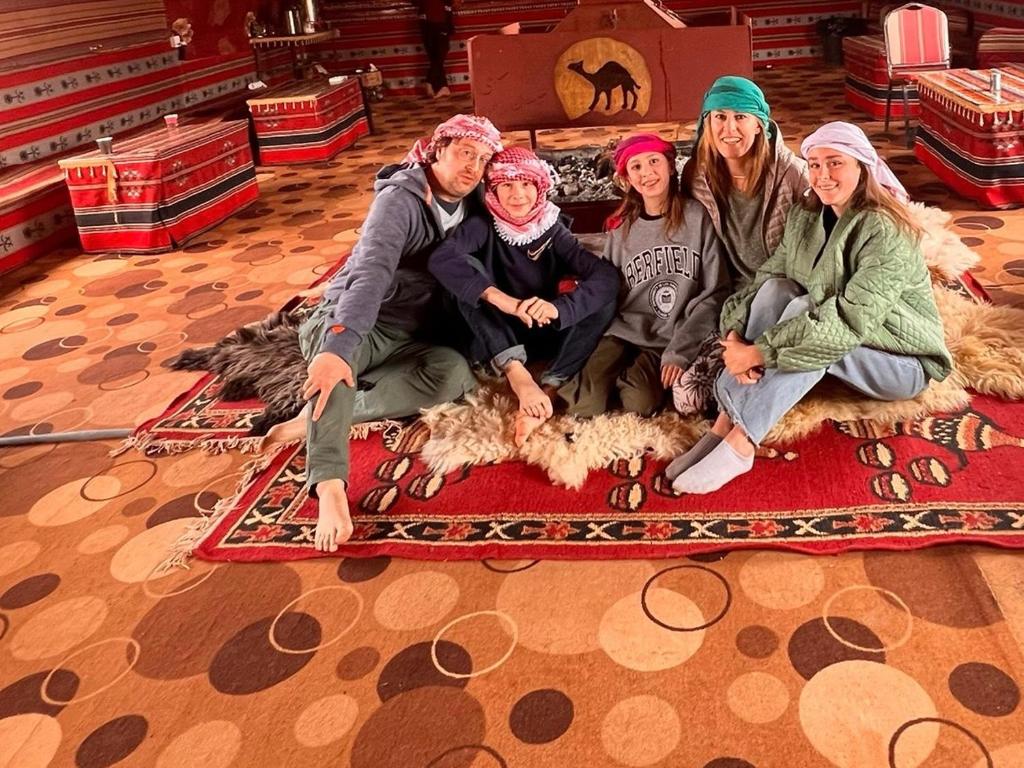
[[585, 189]]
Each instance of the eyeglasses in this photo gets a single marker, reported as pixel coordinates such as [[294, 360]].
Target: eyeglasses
[[467, 155]]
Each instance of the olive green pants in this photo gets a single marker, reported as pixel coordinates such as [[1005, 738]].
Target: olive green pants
[[616, 373], [399, 376]]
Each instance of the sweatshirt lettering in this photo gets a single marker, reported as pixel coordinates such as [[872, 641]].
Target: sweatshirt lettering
[[659, 261]]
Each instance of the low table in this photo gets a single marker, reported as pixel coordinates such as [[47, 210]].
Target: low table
[[971, 140], [307, 121], [161, 187]]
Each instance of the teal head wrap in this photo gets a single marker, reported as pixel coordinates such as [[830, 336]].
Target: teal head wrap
[[739, 95]]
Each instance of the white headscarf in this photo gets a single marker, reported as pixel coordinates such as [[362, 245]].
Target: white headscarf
[[850, 140]]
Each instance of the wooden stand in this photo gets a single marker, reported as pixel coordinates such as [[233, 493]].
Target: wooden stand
[[295, 43]]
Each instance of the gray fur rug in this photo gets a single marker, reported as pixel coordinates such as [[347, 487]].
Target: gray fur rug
[[262, 360]]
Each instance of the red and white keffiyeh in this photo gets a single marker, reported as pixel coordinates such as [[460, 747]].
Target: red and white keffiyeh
[[457, 127], [519, 163]]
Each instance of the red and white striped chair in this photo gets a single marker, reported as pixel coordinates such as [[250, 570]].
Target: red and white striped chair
[[916, 40]]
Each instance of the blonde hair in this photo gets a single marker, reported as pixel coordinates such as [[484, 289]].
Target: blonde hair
[[714, 167], [633, 203], [869, 195]]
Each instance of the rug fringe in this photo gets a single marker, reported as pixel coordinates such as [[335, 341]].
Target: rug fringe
[[181, 550], [151, 445]]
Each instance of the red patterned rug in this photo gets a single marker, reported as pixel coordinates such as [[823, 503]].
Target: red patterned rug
[[939, 480], [199, 418]]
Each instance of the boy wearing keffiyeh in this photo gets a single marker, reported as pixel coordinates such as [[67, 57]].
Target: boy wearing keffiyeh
[[504, 271]]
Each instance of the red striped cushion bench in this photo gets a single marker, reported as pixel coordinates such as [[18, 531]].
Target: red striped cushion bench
[[867, 79], [35, 213], [1000, 45], [55, 107], [52, 109]]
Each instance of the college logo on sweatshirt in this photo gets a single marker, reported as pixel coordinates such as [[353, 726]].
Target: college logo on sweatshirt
[[661, 261], [663, 298]]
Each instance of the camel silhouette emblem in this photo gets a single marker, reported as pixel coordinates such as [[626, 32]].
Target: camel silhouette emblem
[[610, 76]]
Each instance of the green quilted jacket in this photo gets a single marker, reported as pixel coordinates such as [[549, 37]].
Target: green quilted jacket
[[870, 288]]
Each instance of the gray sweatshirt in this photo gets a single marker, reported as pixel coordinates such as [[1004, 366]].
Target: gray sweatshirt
[[385, 278], [673, 285]]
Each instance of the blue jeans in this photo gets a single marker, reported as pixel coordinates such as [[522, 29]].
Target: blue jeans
[[756, 408]]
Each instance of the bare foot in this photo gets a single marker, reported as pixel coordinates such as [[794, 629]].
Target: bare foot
[[533, 401], [525, 426], [334, 524], [286, 432]]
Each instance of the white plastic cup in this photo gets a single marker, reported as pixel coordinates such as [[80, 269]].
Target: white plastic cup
[[171, 120], [106, 145]]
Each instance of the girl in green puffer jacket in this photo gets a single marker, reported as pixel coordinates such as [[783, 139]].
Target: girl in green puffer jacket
[[846, 293]]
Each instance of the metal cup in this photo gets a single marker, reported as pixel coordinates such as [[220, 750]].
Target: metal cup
[[106, 145]]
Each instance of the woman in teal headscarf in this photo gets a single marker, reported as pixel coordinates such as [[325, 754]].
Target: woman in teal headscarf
[[743, 173]]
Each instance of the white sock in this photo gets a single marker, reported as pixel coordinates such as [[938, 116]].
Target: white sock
[[716, 469], [697, 451]]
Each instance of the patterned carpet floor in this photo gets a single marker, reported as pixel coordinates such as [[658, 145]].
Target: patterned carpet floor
[[760, 659]]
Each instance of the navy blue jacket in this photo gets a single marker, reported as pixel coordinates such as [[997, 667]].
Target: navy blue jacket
[[473, 258]]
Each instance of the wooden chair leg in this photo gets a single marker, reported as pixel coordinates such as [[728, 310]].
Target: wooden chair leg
[[888, 103]]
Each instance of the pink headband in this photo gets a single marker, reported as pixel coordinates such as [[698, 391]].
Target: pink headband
[[638, 144]]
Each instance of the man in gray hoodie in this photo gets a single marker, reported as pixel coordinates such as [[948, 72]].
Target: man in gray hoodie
[[379, 317]]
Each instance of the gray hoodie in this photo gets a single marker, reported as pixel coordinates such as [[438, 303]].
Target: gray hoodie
[[385, 278]]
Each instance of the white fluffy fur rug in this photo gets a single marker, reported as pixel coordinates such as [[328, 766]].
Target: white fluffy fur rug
[[987, 344]]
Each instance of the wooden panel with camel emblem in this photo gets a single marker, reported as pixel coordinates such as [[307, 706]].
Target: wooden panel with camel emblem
[[602, 74], [604, 64]]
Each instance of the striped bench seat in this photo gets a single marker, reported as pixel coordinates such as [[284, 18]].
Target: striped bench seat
[[867, 80], [35, 212], [1001, 45]]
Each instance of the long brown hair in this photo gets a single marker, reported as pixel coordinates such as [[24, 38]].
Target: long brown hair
[[869, 195], [632, 204], [714, 166]]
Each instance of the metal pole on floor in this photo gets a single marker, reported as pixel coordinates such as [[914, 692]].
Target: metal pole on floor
[[65, 437]]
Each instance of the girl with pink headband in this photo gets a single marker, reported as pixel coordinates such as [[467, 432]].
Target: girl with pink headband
[[674, 280], [846, 294], [504, 271]]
